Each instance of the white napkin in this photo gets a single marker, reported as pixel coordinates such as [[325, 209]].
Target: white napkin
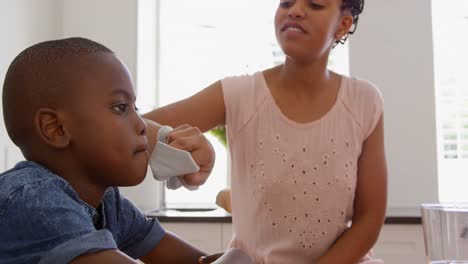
[[169, 164]]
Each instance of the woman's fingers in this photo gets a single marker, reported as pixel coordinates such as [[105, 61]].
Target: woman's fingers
[[182, 132], [191, 139]]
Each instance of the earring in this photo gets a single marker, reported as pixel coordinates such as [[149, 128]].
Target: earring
[[341, 35]]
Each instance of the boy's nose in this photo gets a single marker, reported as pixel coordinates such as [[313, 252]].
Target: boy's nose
[[141, 126]]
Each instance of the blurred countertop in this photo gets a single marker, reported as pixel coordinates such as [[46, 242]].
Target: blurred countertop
[[219, 215]]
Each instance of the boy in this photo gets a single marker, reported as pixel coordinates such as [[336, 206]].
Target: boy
[[69, 105]]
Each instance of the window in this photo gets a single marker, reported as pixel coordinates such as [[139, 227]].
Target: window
[[450, 33], [203, 41]]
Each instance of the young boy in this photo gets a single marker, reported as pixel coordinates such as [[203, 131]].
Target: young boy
[[69, 105]]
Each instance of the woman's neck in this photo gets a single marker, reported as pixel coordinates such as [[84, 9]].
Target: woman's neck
[[304, 77]]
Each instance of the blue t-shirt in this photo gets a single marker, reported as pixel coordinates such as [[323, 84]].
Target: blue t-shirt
[[42, 220]]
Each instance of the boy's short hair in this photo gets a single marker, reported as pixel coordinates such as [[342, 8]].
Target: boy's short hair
[[40, 77]]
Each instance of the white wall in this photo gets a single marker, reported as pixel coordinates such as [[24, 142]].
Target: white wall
[[112, 23], [393, 48], [23, 23]]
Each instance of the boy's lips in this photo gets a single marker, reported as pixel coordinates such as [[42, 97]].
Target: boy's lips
[[141, 148]]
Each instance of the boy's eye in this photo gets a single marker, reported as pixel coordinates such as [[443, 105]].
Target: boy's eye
[[121, 108]]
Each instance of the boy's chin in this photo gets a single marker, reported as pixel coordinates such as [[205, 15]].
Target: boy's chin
[[131, 183], [140, 180], [133, 180]]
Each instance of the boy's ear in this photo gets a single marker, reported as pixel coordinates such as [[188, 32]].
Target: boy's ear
[[50, 126]]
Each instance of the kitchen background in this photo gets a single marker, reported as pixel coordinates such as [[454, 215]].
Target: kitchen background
[[413, 50]]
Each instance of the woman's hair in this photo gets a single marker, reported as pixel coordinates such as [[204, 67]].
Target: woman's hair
[[355, 7]]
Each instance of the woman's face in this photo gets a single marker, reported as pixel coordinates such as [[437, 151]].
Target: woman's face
[[307, 29]]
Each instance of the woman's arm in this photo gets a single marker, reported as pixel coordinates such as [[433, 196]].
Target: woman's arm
[[204, 110], [369, 204]]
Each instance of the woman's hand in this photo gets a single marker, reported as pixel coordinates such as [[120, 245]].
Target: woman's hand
[[191, 139]]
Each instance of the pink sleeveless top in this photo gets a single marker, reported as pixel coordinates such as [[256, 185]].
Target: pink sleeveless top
[[293, 184]]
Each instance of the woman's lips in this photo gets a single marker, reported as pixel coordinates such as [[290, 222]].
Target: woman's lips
[[292, 26]]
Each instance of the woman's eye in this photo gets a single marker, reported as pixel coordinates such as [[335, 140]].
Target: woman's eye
[[316, 6], [286, 4], [122, 108], [136, 108]]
